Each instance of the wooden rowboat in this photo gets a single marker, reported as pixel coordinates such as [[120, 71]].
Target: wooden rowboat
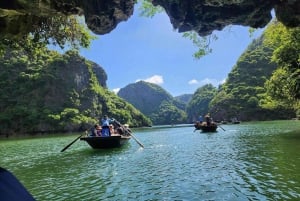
[[206, 128], [113, 141]]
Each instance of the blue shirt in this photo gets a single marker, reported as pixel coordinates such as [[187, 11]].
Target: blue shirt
[[106, 122]]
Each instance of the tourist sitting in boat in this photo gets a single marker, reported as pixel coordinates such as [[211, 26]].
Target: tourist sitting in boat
[[93, 131], [105, 122], [111, 129], [98, 130], [120, 130], [126, 126]]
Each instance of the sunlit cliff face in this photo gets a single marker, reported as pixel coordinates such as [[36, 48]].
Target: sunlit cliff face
[[102, 16]]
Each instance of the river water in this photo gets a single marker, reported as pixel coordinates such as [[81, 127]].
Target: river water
[[247, 161]]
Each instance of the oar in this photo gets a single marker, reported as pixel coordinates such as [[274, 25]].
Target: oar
[[66, 147], [222, 128], [135, 138], [129, 132], [195, 124]]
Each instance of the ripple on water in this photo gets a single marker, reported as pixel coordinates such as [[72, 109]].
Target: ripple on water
[[242, 163]]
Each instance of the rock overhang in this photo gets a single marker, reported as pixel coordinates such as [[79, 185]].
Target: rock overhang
[[102, 16]]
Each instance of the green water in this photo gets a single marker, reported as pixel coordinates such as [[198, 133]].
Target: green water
[[249, 161]]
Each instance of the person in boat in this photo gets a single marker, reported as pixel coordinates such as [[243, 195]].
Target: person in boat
[[105, 122], [117, 128], [93, 131], [98, 130], [126, 126], [208, 119], [122, 130], [111, 129], [200, 119]]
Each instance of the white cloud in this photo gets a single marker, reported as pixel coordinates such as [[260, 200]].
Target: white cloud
[[193, 81], [214, 82], [223, 81], [155, 79], [116, 90], [208, 81]]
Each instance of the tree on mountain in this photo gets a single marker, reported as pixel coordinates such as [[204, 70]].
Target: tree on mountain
[[56, 93], [243, 95], [168, 114], [283, 88], [199, 104], [155, 102]]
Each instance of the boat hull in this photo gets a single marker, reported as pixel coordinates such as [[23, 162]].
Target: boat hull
[[106, 142], [205, 128]]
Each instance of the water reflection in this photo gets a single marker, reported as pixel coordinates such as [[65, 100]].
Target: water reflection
[[268, 163], [255, 161]]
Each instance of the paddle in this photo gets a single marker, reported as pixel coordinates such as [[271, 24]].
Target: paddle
[[222, 128], [66, 147], [129, 132], [196, 124]]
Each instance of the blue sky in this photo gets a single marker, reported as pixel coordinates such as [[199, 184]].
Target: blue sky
[[150, 49]]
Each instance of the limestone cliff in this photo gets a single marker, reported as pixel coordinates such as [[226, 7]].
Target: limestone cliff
[[102, 16], [57, 93]]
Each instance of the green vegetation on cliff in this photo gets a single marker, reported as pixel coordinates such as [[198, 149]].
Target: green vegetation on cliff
[[283, 88], [49, 92], [200, 102], [185, 98], [263, 85], [153, 101], [244, 95]]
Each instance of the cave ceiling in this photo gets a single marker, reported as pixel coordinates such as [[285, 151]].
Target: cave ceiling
[[102, 16]]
